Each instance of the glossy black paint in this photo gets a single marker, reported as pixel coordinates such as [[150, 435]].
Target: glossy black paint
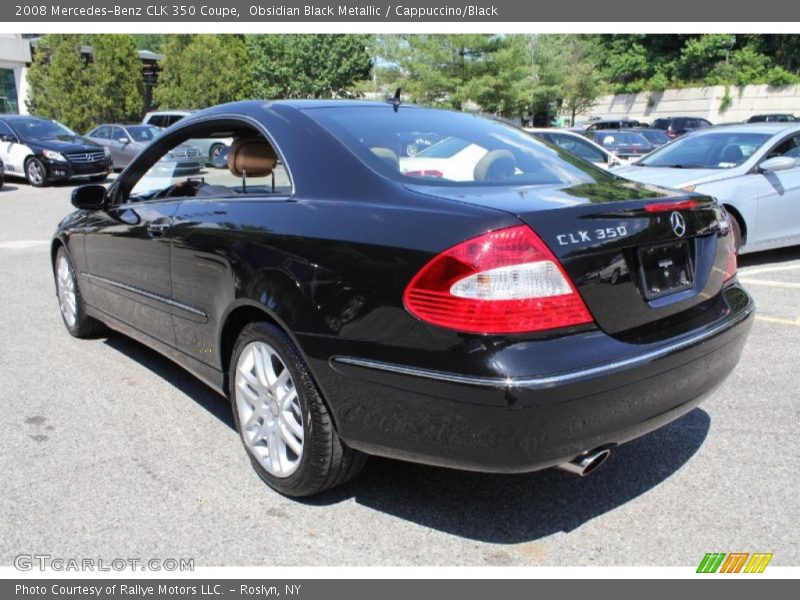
[[329, 262], [61, 170]]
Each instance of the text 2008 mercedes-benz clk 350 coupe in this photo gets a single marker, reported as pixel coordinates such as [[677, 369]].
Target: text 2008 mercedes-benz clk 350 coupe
[[492, 303]]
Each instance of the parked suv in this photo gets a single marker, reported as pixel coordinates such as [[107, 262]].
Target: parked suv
[[45, 151], [773, 118], [210, 147], [677, 126], [613, 124]]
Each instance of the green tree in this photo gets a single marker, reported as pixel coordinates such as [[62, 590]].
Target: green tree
[[309, 65], [58, 81], [583, 83], [202, 70], [116, 88]]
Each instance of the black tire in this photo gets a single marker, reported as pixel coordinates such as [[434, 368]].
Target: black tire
[[35, 172], [102, 177], [325, 462], [214, 151], [736, 229], [83, 326]]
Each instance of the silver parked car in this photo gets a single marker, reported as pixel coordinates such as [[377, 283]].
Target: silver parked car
[[752, 169], [578, 145], [210, 147], [126, 141]]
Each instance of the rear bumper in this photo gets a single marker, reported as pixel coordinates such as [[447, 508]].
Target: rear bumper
[[528, 422]]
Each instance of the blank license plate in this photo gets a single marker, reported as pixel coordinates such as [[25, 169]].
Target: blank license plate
[[665, 269]]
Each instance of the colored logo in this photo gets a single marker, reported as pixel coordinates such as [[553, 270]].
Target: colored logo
[[734, 562]]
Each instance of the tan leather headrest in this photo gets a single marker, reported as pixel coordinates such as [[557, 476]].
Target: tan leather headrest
[[251, 155], [496, 165]]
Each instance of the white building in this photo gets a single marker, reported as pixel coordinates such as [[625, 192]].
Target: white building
[[15, 57]]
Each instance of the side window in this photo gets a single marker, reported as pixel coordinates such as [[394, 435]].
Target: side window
[[790, 148], [181, 170], [157, 120], [172, 119], [117, 134], [102, 132], [579, 148]]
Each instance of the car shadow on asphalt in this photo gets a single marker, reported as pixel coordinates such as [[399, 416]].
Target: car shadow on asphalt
[[173, 374], [513, 509], [8, 188], [502, 509], [770, 257]]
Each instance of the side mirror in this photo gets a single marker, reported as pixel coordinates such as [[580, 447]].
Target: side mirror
[[778, 163], [90, 197], [123, 140]]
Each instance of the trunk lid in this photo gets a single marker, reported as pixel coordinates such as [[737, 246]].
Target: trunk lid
[[636, 254]]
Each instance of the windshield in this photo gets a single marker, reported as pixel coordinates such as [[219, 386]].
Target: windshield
[[472, 150], [717, 150], [40, 128], [143, 133], [655, 136]]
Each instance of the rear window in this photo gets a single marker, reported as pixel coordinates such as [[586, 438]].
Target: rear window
[[472, 150]]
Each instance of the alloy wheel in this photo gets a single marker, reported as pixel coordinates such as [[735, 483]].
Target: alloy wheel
[[65, 282], [269, 410]]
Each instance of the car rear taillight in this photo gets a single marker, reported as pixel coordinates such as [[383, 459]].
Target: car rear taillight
[[732, 265], [424, 173], [505, 281], [655, 207]]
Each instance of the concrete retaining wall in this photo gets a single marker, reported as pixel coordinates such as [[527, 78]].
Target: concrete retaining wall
[[701, 102]]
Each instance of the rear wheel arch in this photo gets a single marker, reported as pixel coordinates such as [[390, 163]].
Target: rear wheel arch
[[734, 212]]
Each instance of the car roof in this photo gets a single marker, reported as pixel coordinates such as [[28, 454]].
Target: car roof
[[772, 128], [20, 117]]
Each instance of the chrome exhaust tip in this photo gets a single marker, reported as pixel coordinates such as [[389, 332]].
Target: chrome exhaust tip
[[584, 464]]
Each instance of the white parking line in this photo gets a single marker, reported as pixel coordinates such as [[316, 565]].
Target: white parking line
[[770, 283], [22, 244], [795, 322], [760, 270]]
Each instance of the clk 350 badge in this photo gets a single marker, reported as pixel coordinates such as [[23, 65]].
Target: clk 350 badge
[[591, 235]]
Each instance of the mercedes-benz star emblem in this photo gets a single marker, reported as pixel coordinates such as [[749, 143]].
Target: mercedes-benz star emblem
[[678, 224]]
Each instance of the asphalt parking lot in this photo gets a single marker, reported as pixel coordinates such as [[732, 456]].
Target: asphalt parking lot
[[109, 450]]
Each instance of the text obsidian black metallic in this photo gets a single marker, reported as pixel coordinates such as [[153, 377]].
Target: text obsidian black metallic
[[474, 298]]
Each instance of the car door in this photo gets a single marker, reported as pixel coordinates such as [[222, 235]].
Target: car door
[[777, 220], [128, 252], [122, 147]]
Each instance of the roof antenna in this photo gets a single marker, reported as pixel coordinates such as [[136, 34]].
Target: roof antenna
[[395, 100]]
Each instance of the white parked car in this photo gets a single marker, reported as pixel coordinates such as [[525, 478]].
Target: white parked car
[[578, 145], [752, 169]]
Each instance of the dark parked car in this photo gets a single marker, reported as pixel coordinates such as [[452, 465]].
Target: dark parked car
[[124, 142], [45, 151], [773, 118], [612, 124], [678, 126], [623, 143], [656, 137], [534, 315]]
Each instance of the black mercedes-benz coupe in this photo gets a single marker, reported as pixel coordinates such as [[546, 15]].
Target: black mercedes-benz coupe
[[492, 303]]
